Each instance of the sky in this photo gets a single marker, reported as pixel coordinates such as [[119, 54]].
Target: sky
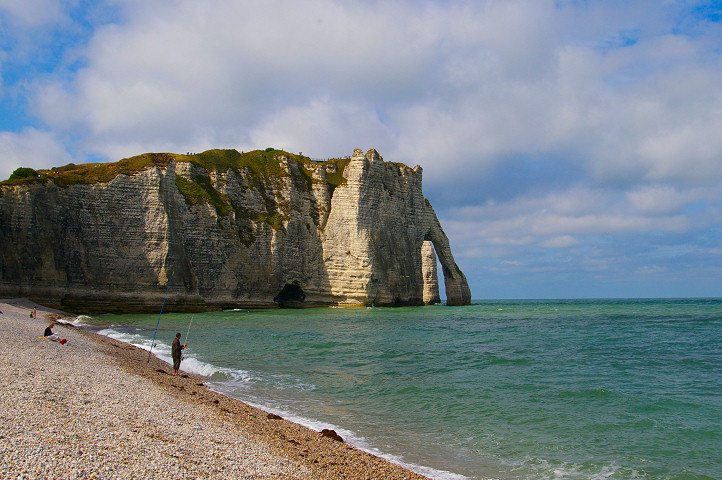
[[570, 148]]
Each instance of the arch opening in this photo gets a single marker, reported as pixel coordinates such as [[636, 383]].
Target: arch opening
[[290, 296]]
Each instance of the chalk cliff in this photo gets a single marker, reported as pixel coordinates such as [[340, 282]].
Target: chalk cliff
[[233, 229]]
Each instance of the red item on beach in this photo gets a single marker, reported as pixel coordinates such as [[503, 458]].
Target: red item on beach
[[63, 341]]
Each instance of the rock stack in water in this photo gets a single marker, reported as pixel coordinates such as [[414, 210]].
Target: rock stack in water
[[253, 229]]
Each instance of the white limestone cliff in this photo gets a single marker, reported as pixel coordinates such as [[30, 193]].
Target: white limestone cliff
[[304, 233]]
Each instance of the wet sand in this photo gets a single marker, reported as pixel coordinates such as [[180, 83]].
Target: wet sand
[[95, 408]]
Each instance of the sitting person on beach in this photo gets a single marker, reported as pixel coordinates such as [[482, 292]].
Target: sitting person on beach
[[53, 336], [176, 351], [49, 333]]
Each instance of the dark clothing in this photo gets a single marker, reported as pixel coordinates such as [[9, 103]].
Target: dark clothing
[[48, 332], [176, 353]]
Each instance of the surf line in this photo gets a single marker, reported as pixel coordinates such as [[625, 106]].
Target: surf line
[[152, 344]]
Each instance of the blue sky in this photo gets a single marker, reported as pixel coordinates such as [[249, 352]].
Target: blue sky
[[570, 148]]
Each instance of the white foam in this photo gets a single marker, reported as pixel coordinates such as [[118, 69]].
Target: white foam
[[429, 472], [163, 351], [541, 468], [349, 436], [233, 380], [81, 320], [134, 339]]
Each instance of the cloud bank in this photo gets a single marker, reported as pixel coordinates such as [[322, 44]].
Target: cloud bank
[[571, 148]]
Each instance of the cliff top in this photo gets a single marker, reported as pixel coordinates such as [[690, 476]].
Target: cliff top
[[263, 163]]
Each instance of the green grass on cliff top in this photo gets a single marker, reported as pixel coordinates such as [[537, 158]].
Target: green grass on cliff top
[[90, 173], [261, 164]]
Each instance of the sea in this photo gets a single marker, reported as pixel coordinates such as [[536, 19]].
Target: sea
[[502, 389]]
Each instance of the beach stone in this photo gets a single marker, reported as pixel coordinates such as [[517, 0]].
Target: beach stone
[[326, 432]]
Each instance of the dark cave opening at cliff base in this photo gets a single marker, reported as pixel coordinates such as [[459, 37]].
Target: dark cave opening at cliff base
[[291, 296]]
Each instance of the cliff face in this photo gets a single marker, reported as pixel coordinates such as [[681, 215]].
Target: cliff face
[[233, 230]]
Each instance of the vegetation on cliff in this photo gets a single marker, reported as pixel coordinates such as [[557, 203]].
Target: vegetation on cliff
[[22, 173], [261, 169], [90, 173], [261, 165], [199, 190], [335, 176]]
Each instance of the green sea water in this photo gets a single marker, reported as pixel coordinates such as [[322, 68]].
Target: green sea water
[[533, 389]]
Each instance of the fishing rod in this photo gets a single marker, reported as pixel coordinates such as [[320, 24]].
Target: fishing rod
[[189, 330], [161, 313]]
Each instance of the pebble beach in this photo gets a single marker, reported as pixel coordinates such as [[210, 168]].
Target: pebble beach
[[98, 408]]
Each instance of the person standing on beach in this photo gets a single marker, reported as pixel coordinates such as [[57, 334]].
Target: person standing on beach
[[176, 352], [34, 313]]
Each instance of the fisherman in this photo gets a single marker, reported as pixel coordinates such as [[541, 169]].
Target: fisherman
[[177, 348]]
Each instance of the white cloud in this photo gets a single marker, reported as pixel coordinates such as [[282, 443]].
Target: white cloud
[[581, 216], [30, 148], [32, 13], [651, 270], [563, 241], [458, 87], [175, 69], [545, 126], [660, 199], [339, 127], [29, 25]]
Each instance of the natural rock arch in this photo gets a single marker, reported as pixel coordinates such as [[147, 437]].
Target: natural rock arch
[[455, 284]]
